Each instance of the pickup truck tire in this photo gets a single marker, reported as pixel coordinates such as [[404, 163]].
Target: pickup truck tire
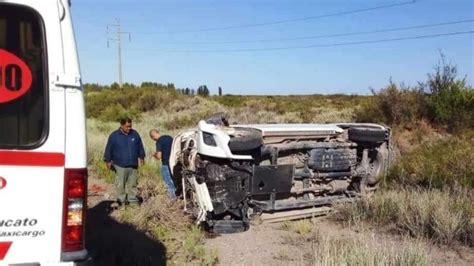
[[369, 135], [379, 166], [220, 118], [245, 139]]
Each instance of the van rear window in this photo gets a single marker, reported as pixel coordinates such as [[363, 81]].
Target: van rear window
[[23, 89]]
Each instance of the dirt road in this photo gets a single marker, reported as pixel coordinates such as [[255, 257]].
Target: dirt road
[[271, 244]]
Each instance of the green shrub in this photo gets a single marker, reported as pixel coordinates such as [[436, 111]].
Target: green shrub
[[99, 169], [152, 99], [444, 100], [116, 111], [147, 97], [231, 100], [445, 163], [393, 106], [450, 100]]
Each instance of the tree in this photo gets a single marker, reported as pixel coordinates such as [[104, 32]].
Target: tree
[[187, 91], [203, 91], [220, 91], [115, 86]]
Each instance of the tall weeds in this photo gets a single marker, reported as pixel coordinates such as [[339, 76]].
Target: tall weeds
[[360, 251], [163, 219], [442, 216], [443, 163]]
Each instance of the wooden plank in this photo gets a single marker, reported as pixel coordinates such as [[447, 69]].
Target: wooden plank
[[294, 214]]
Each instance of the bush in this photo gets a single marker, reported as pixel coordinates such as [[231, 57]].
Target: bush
[[444, 100], [115, 112], [451, 100], [152, 99], [148, 97], [393, 106], [100, 170], [445, 163]]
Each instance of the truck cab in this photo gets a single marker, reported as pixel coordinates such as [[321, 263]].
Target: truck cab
[[43, 164]]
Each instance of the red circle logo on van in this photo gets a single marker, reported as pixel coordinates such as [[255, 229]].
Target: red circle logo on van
[[3, 182], [15, 77]]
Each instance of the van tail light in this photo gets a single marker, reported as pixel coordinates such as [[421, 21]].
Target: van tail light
[[75, 200]]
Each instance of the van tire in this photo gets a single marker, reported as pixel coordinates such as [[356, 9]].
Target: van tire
[[245, 139]]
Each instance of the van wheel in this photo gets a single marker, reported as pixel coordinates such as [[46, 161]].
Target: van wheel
[[371, 135], [245, 139]]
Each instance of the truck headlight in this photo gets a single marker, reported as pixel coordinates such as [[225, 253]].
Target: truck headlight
[[209, 139]]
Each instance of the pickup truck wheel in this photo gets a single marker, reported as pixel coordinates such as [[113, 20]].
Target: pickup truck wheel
[[245, 139], [370, 135], [378, 167]]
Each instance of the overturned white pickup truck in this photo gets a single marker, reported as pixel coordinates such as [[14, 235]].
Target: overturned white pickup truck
[[231, 173]]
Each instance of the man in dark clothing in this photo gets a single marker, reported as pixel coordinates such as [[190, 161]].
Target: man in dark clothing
[[123, 154], [163, 151]]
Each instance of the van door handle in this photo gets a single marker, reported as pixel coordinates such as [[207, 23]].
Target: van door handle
[[67, 81]]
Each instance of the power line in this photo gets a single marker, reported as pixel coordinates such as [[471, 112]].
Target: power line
[[331, 35], [314, 45], [286, 20]]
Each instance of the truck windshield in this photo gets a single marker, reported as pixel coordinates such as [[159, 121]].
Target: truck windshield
[[23, 90]]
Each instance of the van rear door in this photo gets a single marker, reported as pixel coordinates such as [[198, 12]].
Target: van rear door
[[32, 134]]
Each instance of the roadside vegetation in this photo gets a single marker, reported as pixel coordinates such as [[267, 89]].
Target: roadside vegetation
[[358, 251], [163, 219], [158, 217], [352, 249], [444, 100], [444, 217], [428, 194]]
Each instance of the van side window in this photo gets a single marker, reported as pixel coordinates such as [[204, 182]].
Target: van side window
[[23, 77]]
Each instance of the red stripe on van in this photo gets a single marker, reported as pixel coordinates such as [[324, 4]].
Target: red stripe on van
[[4, 247], [24, 158]]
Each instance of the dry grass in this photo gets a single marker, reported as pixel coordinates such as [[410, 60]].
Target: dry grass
[[162, 219], [442, 163], [302, 227], [158, 217], [442, 216], [362, 251], [318, 247]]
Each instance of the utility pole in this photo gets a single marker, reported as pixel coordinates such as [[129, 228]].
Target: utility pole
[[118, 39]]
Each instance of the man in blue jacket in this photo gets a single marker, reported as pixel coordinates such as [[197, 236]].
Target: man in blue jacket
[[123, 154]]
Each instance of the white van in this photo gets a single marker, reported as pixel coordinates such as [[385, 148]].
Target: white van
[[43, 175]]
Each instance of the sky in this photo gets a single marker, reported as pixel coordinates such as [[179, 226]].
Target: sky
[[260, 47]]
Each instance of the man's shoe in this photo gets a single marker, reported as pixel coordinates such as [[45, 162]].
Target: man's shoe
[[116, 204], [134, 203]]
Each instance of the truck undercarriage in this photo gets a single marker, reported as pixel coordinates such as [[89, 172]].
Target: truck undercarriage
[[233, 173]]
